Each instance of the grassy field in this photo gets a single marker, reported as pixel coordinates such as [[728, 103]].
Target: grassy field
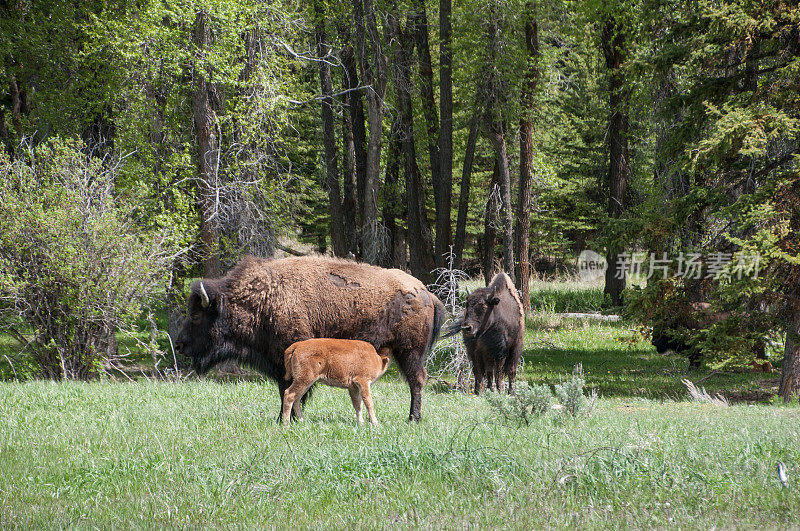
[[202, 453]]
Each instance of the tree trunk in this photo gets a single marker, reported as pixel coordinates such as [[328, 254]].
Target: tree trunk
[[442, 187], [368, 48], [329, 135], [489, 234], [350, 199], [613, 42], [205, 122], [419, 236], [356, 109], [392, 204], [446, 117], [466, 177], [526, 156], [497, 135], [790, 372], [495, 127]]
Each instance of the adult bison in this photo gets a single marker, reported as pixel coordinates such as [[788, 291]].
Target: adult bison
[[262, 306], [493, 327]]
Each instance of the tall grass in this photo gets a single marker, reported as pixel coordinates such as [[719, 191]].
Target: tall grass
[[207, 454]]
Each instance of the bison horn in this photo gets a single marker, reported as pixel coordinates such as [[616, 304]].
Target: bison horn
[[467, 288], [204, 296]]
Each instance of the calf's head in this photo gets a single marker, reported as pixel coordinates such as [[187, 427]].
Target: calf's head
[[202, 337]]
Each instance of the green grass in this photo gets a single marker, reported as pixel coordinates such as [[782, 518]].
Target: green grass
[[202, 453]]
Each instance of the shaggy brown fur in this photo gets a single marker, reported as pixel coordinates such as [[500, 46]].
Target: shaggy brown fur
[[493, 328], [262, 306], [346, 363]]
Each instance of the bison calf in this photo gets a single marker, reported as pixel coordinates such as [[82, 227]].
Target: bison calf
[[346, 363]]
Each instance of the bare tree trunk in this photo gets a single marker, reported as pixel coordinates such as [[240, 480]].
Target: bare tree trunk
[[419, 235], [329, 134], [368, 47], [442, 187], [466, 176], [446, 116], [526, 156], [495, 127], [790, 372], [359, 132], [489, 234], [205, 122], [392, 205], [613, 43], [497, 135], [349, 200]]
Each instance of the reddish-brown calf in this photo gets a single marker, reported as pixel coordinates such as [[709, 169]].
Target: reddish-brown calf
[[346, 363]]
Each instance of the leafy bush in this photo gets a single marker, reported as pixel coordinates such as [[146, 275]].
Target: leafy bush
[[571, 394], [527, 403], [74, 268]]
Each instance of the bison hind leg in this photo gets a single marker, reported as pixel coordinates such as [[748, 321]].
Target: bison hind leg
[[413, 370]]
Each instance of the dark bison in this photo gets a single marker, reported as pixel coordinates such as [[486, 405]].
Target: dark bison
[[686, 318], [262, 306], [493, 327]]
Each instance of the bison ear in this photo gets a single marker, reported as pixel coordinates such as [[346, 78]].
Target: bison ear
[[493, 300]]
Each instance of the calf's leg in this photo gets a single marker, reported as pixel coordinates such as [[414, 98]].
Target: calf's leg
[[355, 397], [364, 386], [291, 394]]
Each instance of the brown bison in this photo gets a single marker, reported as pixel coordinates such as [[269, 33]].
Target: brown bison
[[493, 327], [260, 307], [352, 365]]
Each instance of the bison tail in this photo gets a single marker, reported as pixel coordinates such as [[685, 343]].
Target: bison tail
[[438, 320], [287, 362]]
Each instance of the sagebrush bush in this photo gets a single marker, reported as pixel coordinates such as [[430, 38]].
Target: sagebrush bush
[[75, 266], [571, 394], [527, 402]]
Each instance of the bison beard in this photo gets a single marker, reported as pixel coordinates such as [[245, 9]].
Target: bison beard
[[262, 306]]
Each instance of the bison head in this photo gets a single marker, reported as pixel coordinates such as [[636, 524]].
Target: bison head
[[480, 313], [202, 337]]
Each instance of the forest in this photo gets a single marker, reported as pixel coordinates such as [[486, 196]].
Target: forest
[[147, 143]]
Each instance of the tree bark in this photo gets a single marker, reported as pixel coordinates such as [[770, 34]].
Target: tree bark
[[392, 204], [350, 198], [368, 48], [442, 187], [497, 136], [790, 371], [329, 134], [419, 235], [613, 43], [205, 122], [359, 132], [466, 177], [495, 127], [489, 233], [526, 156], [446, 117]]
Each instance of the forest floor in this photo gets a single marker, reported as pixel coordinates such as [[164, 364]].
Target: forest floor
[[204, 452]]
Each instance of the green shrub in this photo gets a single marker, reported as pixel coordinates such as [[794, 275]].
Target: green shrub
[[571, 394], [74, 267], [526, 403]]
